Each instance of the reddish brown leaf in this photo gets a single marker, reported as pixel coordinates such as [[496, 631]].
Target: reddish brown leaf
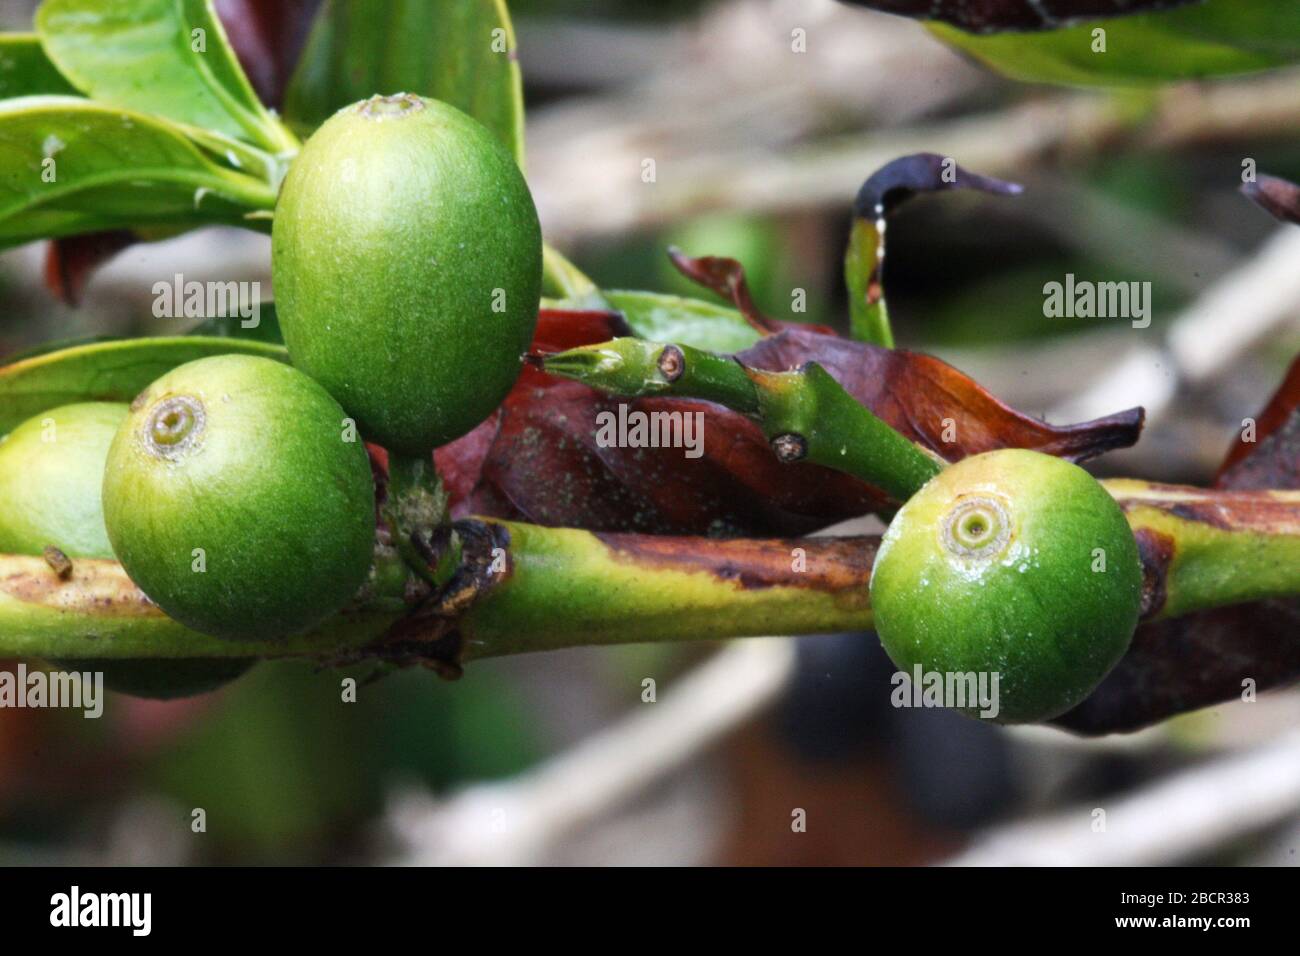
[[560, 329], [726, 277], [1275, 465], [460, 463], [70, 261], [537, 459], [932, 403], [267, 36], [994, 16], [1244, 468], [1186, 663], [545, 465]]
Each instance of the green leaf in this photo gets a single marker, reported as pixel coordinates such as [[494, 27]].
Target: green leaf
[[232, 327], [25, 70], [868, 312], [221, 327], [70, 165], [1219, 37], [462, 53], [168, 57], [672, 318], [114, 371], [58, 345]]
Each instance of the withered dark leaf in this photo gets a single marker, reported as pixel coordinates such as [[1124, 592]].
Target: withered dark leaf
[[883, 192], [934, 404], [1278, 197], [267, 36], [995, 16], [1261, 460], [1186, 663], [897, 181], [70, 261], [726, 277], [545, 462], [538, 458], [460, 463]]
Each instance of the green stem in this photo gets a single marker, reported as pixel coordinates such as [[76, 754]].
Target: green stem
[[254, 193], [636, 368], [564, 587], [99, 613], [813, 417], [416, 513], [245, 158], [1208, 548], [805, 414], [283, 140], [556, 587], [548, 588], [561, 279]]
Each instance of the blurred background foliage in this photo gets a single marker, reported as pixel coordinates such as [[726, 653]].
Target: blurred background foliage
[[287, 772]]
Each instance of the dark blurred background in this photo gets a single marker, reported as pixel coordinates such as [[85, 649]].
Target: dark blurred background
[[776, 751]]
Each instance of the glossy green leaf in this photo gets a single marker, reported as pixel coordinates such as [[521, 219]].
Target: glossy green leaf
[[68, 165], [672, 318], [1219, 37], [233, 327], [114, 371], [168, 57], [57, 345], [25, 70], [220, 327], [459, 51]]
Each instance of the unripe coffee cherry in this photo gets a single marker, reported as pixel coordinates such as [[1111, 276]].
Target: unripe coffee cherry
[[407, 260], [51, 472], [163, 678], [237, 498], [1015, 563], [51, 469]]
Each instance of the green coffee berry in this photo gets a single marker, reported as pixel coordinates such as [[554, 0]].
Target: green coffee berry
[[1014, 563], [51, 468], [407, 260], [51, 472], [161, 678], [238, 499]]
